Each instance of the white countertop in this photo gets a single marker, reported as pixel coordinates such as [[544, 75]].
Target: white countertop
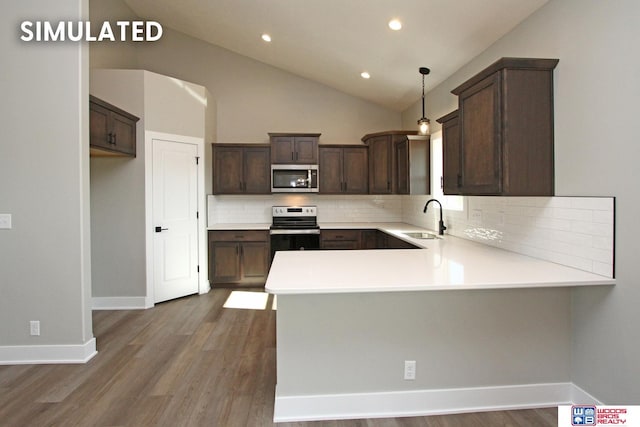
[[239, 226], [445, 264]]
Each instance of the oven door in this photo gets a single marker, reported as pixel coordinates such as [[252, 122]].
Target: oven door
[[294, 178], [294, 240]]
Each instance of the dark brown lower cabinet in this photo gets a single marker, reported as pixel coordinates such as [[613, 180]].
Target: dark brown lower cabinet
[[361, 239], [340, 239], [241, 258], [387, 241], [238, 257]]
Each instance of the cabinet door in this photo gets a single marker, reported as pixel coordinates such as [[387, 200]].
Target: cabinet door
[[451, 175], [396, 243], [112, 131], [330, 170], [402, 167], [225, 262], [355, 170], [282, 149], [123, 135], [480, 124], [257, 170], [380, 165], [306, 150], [99, 126], [368, 239], [255, 262], [228, 170]]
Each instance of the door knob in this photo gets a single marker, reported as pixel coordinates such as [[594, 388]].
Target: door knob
[[159, 229]]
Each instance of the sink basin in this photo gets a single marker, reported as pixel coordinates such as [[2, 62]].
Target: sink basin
[[421, 235]]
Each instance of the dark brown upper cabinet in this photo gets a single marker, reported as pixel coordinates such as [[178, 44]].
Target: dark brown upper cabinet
[[241, 169], [294, 148], [390, 161], [505, 120], [343, 169], [451, 175], [112, 130], [412, 165]]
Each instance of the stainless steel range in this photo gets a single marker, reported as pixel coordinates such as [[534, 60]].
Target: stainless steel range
[[294, 228]]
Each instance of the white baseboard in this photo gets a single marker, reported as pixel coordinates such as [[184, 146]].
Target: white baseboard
[[47, 354], [121, 303], [420, 402], [579, 396]]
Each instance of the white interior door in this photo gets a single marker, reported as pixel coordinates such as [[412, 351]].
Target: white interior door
[[175, 207]]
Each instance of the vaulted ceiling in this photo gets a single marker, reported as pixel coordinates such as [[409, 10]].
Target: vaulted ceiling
[[333, 41]]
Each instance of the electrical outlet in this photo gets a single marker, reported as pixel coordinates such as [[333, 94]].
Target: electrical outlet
[[409, 369], [5, 221], [34, 326], [475, 216]]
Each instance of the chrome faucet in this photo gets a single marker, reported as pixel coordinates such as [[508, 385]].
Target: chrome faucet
[[441, 226]]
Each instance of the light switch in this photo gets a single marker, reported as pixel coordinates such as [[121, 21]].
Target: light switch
[[5, 221]]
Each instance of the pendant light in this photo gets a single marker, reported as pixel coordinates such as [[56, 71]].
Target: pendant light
[[423, 122]]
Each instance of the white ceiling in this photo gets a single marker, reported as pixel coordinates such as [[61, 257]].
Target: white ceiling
[[333, 41]]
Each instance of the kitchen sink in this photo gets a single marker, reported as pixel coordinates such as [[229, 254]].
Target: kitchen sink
[[421, 235]]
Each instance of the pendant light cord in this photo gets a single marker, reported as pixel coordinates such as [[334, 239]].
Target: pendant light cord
[[423, 96]]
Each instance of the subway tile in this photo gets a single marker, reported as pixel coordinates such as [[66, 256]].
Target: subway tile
[[603, 216], [574, 214], [604, 269], [592, 203]]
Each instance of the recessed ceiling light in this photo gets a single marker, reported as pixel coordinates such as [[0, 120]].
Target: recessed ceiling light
[[365, 75], [266, 37], [395, 24]]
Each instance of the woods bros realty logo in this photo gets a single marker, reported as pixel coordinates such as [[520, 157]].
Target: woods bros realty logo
[[47, 31], [592, 415]]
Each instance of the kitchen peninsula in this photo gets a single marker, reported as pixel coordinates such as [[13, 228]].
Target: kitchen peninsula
[[486, 328]]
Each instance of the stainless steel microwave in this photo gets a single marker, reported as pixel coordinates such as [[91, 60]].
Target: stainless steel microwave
[[294, 178]]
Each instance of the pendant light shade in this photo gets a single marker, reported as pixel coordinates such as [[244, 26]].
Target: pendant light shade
[[423, 123]]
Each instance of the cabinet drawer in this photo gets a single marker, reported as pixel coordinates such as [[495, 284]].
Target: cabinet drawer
[[340, 235], [238, 235], [340, 244]]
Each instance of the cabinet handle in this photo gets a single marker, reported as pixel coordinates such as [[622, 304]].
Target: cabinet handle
[[110, 138], [292, 155], [388, 185], [114, 139], [240, 185], [459, 180], [296, 155]]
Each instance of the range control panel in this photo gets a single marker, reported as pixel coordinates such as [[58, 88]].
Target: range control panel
[[294, 211]]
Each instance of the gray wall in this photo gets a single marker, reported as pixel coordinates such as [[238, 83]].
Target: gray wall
[[357, 343], [596, 152], [45, 267], [118, 197]]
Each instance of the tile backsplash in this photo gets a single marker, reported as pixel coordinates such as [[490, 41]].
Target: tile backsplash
[[257, 209], [573, 231]]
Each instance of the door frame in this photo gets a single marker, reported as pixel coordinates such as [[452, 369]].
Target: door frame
[[203, 282]]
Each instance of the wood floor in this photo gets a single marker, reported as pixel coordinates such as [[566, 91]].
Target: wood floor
[[188, 362]]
